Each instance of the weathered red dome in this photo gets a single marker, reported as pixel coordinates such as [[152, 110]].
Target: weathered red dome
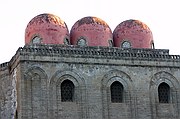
[[91, 31], [133, 34], [46, 29]]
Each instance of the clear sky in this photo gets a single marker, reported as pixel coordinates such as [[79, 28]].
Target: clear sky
[[162, 17]]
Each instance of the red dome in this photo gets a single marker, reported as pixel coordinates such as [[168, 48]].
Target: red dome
[[133, 34], [46, 29], [91, 31]]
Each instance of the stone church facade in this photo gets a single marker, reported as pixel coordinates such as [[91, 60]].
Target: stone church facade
[[89, 74]]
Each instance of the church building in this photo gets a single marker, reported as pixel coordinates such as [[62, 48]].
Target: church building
[[89, 72]]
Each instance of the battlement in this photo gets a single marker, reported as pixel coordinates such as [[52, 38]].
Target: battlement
[[4, 65], [96, 52], [93, 52]]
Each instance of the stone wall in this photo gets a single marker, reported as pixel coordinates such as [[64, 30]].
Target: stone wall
[[40, 70], [92, 100], [7, 93]]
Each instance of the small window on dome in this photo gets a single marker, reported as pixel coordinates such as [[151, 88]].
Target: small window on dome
[[81, 42], [152, 45], [126, 44], [36, 40], [66, 41], [110, 43]]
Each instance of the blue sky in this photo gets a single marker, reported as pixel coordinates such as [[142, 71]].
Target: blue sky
[[162, 17]]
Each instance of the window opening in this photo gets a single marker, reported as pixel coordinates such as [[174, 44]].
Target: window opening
[[67, 91], [36, 40], [126, 44], [110, 43], [152, 45], [164, 93], [116, 92], [66, 41], [81, 42]]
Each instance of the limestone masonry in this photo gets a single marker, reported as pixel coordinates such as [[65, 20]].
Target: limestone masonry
[[89, 73]]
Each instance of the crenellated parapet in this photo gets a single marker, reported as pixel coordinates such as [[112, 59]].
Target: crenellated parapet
[[4, 65], [97, 52], [92, 52]]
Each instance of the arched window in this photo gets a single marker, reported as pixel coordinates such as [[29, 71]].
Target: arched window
[[66, 41], [110, 43], [82, 42], [67, 91], [36, 40], [116, 92], [152, 45], [126, 44], [164, 93]]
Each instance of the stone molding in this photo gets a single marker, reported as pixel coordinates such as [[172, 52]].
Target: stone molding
[[161, 110], [100, 52]]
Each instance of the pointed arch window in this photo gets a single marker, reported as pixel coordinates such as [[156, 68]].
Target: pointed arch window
[[116, 92], [164, 93], [67, 91]]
